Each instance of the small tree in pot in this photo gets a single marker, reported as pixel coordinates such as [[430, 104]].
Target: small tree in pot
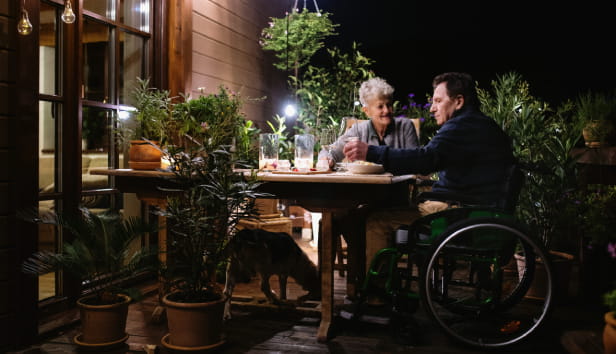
[[210, 197]]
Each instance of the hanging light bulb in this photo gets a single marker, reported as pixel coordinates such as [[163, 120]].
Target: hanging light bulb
[[68, 16], [24, 27]]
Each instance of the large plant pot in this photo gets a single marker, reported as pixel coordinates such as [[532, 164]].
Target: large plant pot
[[193, 326], [102, 325], [561, 264], [609, 334], [143, 156]]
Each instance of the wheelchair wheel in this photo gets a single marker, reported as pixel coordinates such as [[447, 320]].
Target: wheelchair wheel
[[470, 284]]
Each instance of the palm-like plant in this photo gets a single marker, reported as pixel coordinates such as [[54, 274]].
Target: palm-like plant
[[101, 254], [209, 200]]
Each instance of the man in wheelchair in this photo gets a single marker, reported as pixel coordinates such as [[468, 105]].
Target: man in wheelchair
[[461, 235], [470, 152]]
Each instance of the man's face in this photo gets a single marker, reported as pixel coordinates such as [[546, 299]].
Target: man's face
[[443, 106]]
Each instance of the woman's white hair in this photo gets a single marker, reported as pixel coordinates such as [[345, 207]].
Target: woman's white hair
[[374, 88]]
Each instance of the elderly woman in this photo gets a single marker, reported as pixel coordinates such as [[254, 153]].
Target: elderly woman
[[376, 98]]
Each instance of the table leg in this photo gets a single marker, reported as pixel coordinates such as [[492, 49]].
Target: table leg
[[327, 276]]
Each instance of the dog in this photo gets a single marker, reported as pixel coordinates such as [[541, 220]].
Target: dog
[[257, 251]]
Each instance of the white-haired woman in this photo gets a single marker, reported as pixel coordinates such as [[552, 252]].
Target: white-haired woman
[[376, 98]]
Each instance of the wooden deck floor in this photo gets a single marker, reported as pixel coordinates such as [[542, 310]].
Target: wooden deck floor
[[257, 327]]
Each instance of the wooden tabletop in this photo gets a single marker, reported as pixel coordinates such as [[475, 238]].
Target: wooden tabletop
[[331, 177]]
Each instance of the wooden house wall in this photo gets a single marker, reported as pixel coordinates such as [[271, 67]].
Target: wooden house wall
[[225, 51]]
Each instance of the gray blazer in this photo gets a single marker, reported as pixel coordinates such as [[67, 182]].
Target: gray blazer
[[400, 134]]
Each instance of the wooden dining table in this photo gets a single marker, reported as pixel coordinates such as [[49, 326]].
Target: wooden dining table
[[325, 193]]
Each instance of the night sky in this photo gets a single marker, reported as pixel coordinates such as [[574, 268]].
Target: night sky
[[561, 51]]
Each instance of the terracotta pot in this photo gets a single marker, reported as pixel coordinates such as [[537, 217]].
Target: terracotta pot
[[102, 325], [193, 326], [143, 156], [561, 264], [609, 333], [591, 138]]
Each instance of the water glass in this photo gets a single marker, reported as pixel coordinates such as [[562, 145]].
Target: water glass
[[304, 151], [268, 151]]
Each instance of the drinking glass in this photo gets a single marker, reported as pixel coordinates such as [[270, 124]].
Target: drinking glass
[[268, 151], [304, 151]]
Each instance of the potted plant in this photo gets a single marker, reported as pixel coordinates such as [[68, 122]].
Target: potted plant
[[101, 255], [542, 141], [210, 198], [609, 331], [152, 129], [597, 110]]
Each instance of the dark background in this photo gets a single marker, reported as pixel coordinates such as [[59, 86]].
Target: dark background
[[561, 50]]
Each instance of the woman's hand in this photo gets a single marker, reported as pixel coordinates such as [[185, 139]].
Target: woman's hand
[[355, 150]]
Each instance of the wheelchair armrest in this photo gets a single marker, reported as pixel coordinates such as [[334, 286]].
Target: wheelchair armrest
[[447, 197]]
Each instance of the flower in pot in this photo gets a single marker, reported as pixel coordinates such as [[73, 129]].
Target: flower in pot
[[101, 255], [609, 331], [598, 111], [152, 128], [209, 199]]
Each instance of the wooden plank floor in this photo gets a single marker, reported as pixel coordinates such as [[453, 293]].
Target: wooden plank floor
[[257, 327]]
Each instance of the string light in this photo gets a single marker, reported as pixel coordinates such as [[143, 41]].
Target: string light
[[24, 27], [68, 16]]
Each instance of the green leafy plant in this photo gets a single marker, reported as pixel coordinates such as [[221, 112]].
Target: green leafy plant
[[214, 119], [609, 299], [542, 141], [598, 112], [295, 38], [209, 200], [247, 144], [329, 93], [208, 197], [285, 143], [101, 253], [598, 214], [153, 114]]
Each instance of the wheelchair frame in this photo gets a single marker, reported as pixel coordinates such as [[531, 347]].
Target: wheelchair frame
[[457, 264]]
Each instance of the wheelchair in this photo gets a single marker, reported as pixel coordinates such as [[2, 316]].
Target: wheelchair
[[460, 265]]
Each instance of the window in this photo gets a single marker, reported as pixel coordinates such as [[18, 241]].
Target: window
[[113, 52]]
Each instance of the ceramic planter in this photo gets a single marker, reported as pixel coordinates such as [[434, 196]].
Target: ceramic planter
[[193, 326], [609, 334], [102, 325], [143, 156]]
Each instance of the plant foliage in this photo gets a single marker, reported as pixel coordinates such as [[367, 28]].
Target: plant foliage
[[295, 38], [101, 253], [542, 141]]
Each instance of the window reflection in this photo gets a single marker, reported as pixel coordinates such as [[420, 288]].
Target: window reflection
[[136, 13], [47, 50], [97, 58], [132, 63], [48, 116], [102, 7], [47, 242]]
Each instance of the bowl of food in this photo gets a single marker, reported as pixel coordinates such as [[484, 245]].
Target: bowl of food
[[364, 167]]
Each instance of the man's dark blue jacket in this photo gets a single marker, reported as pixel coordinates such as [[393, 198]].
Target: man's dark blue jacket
[[470, 152]]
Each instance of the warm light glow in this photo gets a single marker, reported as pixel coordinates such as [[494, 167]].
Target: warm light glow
[[24, 27], [68, 16], [290, 110]]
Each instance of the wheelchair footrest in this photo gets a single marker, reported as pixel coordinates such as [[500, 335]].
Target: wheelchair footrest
[[366, 313]]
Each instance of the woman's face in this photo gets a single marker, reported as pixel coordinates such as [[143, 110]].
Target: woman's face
[[380, 111]]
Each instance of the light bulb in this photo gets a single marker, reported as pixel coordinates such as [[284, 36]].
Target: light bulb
[[68, 16], [24, 27]]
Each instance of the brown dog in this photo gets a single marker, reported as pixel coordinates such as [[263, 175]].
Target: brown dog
[[256, 251]]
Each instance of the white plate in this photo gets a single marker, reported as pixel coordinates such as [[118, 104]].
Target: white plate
[[364, 169]]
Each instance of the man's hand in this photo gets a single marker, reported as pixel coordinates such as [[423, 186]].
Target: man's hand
[[355, 150]]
